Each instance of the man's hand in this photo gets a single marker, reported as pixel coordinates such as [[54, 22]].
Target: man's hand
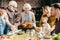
[[14, 28]]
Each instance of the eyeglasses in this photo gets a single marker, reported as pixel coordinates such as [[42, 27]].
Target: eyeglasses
[[13, 6]]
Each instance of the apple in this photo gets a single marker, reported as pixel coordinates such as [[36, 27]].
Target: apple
[[9, 37], [0, 36], [3, 36]]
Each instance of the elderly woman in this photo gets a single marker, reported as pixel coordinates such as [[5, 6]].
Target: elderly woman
[[4, 21], [28, 16], [28, 20]]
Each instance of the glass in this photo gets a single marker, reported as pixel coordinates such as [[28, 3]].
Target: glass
[[27, 34], [15, 37], [32, 34]]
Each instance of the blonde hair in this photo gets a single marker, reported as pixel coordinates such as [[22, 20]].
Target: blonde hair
[[27, 5], [13, 3]]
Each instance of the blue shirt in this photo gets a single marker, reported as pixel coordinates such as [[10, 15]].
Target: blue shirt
[[26, 18], [2, 26]]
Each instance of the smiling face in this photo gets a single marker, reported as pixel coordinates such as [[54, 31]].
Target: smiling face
[[12, 8], [44, 19], [26, 9], [53, 11], [47, 11], [2, 12]]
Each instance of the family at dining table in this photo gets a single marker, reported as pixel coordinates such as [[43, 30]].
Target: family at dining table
[[10, 20]]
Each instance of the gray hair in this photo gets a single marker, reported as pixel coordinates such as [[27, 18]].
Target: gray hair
[[13, 3]]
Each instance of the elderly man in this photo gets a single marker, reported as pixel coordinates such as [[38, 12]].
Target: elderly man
[[11, 12]]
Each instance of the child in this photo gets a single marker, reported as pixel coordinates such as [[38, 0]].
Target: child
[[45, 29]]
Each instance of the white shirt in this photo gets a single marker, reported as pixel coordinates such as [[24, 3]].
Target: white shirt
[[46, 27]]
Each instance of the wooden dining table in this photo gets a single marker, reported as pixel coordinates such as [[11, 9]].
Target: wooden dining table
[[21, 37]]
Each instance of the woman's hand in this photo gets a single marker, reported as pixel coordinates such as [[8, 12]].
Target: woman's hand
[[52, 28]]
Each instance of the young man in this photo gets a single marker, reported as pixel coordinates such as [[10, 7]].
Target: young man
[[53, 17], [58, 18]]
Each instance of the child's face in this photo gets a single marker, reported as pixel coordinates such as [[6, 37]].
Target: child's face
[[2, 11], [44, 20]]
